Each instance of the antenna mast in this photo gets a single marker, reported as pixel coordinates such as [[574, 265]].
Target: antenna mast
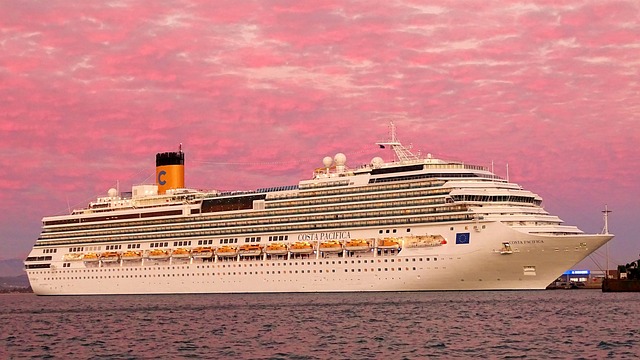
[[403, 153], [605, 213]]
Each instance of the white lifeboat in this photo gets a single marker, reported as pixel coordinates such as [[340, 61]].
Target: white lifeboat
[[73, 257]]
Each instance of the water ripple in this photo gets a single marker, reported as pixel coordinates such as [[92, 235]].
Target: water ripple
[[504, 325]]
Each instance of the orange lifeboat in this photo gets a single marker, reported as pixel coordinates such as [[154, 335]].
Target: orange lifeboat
[[276, 249], [132, 255], [389, 243], [226, 251], [250, 250], [90, 257], [109, 256], [202, 252], [180, 253], [158, 254], [332, 246], [357, 245], [301, 247]]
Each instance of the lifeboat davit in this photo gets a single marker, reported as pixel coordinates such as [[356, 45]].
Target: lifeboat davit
[[388, 243], [158, 254], [276, 249], [202, 252], [332, 246], [301, 247], [357, 245], [250, 250], [109, 257], [226, 251], [180, 253]]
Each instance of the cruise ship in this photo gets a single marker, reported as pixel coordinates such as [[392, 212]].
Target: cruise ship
[[412, 224]]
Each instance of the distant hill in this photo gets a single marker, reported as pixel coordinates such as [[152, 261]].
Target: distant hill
[[14, 283], [11, 268]]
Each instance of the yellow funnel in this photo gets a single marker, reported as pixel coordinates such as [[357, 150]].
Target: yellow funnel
[[169, 171]]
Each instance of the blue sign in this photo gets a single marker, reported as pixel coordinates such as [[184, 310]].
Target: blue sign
[[462, 238], [577, 272]]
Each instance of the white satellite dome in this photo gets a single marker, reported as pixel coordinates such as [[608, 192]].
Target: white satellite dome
[[377, 161], [340, 159], [327, 161], [112, 193]]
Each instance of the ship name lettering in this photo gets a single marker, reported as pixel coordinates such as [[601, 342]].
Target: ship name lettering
[[526, 242], [323, 236]]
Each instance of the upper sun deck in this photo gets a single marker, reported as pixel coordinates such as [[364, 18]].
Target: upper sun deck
[[405, 161], [142, 196], [334, 173]]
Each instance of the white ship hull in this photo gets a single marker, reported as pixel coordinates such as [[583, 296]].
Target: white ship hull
[[430, 225], [535, 262]]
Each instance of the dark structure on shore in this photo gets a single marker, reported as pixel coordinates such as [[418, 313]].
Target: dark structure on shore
[[628, 279]]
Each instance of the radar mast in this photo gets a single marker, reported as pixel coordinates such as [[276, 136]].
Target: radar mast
[[403, 153]]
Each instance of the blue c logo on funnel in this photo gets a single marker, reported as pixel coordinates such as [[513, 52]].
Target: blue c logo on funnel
[[160, 175]]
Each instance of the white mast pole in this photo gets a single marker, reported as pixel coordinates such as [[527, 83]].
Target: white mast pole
[[507, 172], [606, 212]]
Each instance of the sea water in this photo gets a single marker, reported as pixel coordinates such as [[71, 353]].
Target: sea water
[[560, 324]]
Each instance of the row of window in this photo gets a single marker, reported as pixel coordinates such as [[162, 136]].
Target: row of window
[[229, 241], [293, 227], [133, 246], [37, 266], [253, 239], [279, 238], [300, 219], [275, 272], [253, 214], [356, 198], [371, 188], [182, 243], [49, 251], [498, 198], [390, 231], [262, 264], [113, 247], [38, 258], [205, 242], [158, 244], [275, 216]]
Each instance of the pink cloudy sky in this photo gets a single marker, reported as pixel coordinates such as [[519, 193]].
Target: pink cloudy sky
[[259, 91]]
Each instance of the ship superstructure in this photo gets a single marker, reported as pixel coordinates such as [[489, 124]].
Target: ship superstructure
[[417, 223]]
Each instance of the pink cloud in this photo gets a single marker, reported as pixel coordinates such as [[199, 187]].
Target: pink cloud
[[259, 92]]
